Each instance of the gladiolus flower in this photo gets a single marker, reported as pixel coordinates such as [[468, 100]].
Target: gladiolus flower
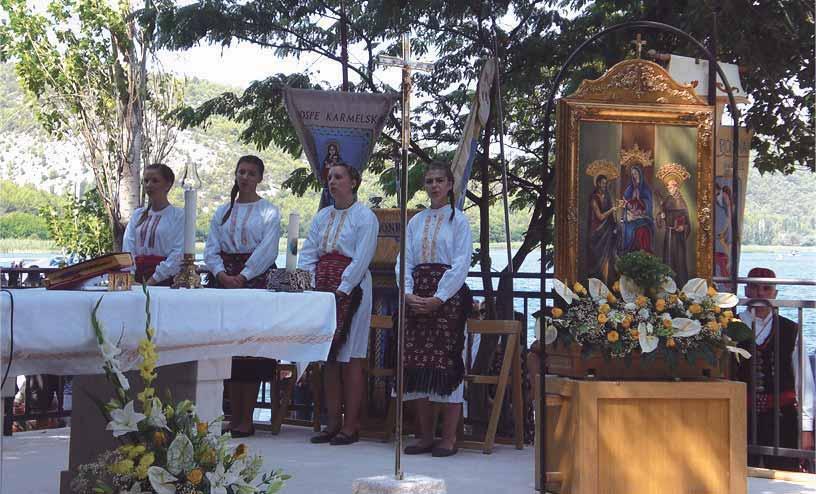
[[612, 336]]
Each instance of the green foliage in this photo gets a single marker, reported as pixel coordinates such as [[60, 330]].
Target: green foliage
[[80, 227], [779, 209], [22, 198], [23, 225], [738, 331], [646, 270]]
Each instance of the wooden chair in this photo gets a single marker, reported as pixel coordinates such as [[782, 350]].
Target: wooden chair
[[281, 393], [510, 373], [369, 426]]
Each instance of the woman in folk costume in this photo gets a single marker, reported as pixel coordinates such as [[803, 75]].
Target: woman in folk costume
[[338, 251], [241, 249], [155, 233], [437, 257]]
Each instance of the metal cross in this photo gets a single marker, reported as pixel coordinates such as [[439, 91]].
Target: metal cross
[[407, 65], [639, 42]]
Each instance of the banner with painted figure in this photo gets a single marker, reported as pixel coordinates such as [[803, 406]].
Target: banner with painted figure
[[337, 127], [724, 204], [479, 112]]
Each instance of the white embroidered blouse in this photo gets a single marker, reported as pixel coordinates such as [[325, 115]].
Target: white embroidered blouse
[[160, 234], [252, 228]]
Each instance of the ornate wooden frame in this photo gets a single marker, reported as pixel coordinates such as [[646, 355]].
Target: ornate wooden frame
[[633, 91]]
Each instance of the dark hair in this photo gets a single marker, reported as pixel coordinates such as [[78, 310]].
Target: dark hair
[[441, 166], [599, 177], [167, 174], [353, 173], [251, 159]]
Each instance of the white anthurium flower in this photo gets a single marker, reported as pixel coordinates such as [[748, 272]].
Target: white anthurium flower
[[648, 341], [696, 289], [668, 286], [684, 327], [739, 351], [664, 316], [156, 417], [629, 289], [124, 420], [726, 300], [220, 479], [644, 313], [598, 291], [162, 481], [564, 291]]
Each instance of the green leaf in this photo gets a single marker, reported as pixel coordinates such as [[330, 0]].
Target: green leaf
[[738, 331]]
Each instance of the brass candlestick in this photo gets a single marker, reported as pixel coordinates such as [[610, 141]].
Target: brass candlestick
[[187, 277]]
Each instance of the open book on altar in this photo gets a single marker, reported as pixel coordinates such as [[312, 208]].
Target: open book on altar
[[74, 276]]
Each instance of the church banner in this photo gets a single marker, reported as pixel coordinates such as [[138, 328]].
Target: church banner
[[337, 127], [479, 112]]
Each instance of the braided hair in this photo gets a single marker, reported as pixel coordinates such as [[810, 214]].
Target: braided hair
[[167, 173], [443, 167], [254, 160]]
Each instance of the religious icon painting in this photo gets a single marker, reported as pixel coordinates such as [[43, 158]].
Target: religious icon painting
[[634, 173]]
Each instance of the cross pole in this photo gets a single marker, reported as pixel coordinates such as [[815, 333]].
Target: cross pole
[[407, 65], [639, 43]]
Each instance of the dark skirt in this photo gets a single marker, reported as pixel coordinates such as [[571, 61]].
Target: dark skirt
[[434, 342], [328, 276], [246, 369]]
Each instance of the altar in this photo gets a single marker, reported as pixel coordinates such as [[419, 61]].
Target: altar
[[196, 334]]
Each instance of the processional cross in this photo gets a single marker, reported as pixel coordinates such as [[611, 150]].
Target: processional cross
[[407, 65], [639, 43]]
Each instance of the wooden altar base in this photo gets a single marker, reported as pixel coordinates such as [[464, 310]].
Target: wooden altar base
[[645, 437]]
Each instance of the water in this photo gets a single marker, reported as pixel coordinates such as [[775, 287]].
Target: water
[[786, 265]]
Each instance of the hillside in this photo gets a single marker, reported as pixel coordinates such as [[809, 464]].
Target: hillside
[[779, 209]]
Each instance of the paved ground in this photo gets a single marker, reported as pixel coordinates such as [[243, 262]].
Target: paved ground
[[32, 461]]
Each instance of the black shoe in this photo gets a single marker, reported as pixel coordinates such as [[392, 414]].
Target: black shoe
[[444, 452], [239, 434], [324, 437], [342, 439], [417, 449]]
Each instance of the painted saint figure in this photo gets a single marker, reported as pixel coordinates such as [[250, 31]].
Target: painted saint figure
[[638, 223], [674, 218], [332, 158], [601, 222]]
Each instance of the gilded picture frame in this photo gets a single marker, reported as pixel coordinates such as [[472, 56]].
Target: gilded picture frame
[[634, 171]]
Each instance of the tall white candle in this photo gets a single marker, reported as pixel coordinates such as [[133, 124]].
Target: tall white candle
[[292, 242], [189, 220]]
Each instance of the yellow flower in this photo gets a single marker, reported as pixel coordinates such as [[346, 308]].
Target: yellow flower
[[716, 309], [169, 411], [145, 395], [124, 467], [208, 456], [151, 332], [612, 336], [611, 298], [579, 288], [159, 439], [672, 299], [147, 459], [641, 301], [616, 287], [695, 308], [202, 428], [682, 296], [670, 343], [195, 476], [556, 312], [713, 326], [240, 451], [660, 305], [711, 291], [626, 323], [634, 332], [604, 309], [667, 323], [141, 472], [145, 463], [602, 318]]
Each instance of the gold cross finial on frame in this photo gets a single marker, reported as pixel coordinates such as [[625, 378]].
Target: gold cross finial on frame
[[639, 43]]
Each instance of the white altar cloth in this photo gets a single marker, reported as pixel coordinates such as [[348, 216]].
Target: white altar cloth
[[53, 333]]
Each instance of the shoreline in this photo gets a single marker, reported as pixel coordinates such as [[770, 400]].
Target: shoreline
[[32, 246]]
